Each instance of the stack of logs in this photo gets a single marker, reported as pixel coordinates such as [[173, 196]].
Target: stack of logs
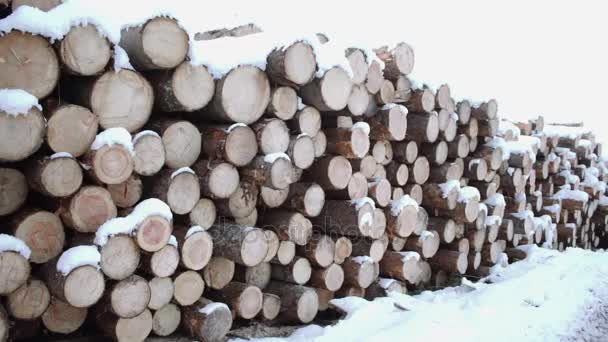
[[260, 195]]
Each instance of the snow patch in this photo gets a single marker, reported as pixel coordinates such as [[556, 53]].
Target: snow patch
[[61, 155], [398, 205], [172, 241], [121, 59], [143, 134], [272, 157], [235, 125], [496, 200], [364, 126], [16, 102], [113, 136], [78, 256], [360, 202], [194, 230], [575, 195], [363, 260], [211, 307], [182, 170], [448, 187], [9, 243], [467, 194]]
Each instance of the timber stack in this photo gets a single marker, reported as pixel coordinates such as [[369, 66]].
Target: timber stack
[[173, 198]]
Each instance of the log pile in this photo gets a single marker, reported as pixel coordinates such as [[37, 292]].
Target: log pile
[[163, 200]]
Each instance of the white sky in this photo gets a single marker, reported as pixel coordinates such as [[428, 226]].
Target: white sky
[[534, 57]]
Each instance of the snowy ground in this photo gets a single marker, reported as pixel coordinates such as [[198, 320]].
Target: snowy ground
[[551, 296]]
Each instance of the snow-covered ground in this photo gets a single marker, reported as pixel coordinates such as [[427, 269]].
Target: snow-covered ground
[[550, 296]]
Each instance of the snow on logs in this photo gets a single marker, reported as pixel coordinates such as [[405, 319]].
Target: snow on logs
[[285, 177]]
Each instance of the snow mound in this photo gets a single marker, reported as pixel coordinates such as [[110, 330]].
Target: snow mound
[[17, 102], [114, 136], [78, 256], [9, 243]]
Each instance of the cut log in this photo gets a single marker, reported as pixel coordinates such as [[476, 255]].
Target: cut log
[[158, 44], [346, 218], [476, 169], [13, 190], [195, 248], [302, 151], [398, 61], [436, 197], [217, 179], [465, 212], [203, 214], [330, 278], [450, 261], [42, 232], [436, 153], [287, 225], [375, 249], [163, 262], [119, 99], [82, 287], [359, 272], [386, 94], [276, 173], [110, 164], [271, 306], [15, 270], [187, 88], [421, 101], [401, 218], [272, 135], [189, 287], [380, 191], [63, 318], [128, 298], [352, 143], [343, 249], [30, 63], [414, 191], [382, 287], [374, 77], [125, 329], [29, 301], [294, 65], [299, 304], [84, 51], [180, 190], [258, 275], [319, 250], [244, 245], [330, 172], [241, 203], [273, 245], [206, 320], [404, 266], [119, 257], [426, 244], [422, 127], [307, 120], [397, 174], [72, 129], [459, 147], [272, 198], [328, 93], [359, 100], [358, 64], [181, 139], [236, 144], [463, 109], [165, 320], [285, 253], [149, 152], [297, 271], [127, 193], [231, 104], [161, 292], [486, 110], [243, 299], [218, 272], [306, 198], [283, 103], [320, 142], [419, 171], [405, 152], [20, 135], [446, 228]]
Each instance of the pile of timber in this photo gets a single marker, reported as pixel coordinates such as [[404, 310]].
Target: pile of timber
[[161, 200]]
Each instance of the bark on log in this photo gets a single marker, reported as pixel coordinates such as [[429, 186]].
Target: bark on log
[[405, 152], [30, 63], [359, 272], [243, 245], [426, 244], [404, 266], [180, 190], [243, 299], [297, 271], [345, 218], [292, 66], [288, 226], [450, 261], [72, 129], [306, 198], [421, 101], [389, 123], [206, 320], [158, 44], [398, 61], [352, 143], [276, 174], [299, 304]]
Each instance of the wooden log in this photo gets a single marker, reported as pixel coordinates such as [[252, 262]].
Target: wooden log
[[398, 61], [157, 44], [343, 249], [436, 197], [84, 51], [243, 299], [397, 174], [15, 270], [445, 172], [306, 198], [20, 135], [422, 127], [346, 218], [421, 101], [445, 228], [241, 203], [272, 198], [149, 152], [382, 151], [297, 271], [450, 261], [161, 292], [292, 66], [488, 128], [426, 244], [29, 301], [330, 278], [401, 218], [41, 231], [306, 120], [461, 245], [271, 306], [180, 189], [459, 147], [359, 100], [302, 151], [243, 245], [196, 247], [165, 320], [203, 214], [465, 212], [287, 225], [217, 179], [71, 129], [328, 93], [163, 262], [359, 272], [414, 191], [109, 164], [218, 272], [13, 190], [276, 173], [30, 63], [319, 250], [351, 142], [486, 110], [181, 139], [475, 168], [186, 88], [120, 257], [63, 318], [404, 266], [330, 172], [82, 287], [463, 109], [119, 99], [236, 144], [419, 171], [298, 303], [374, 80], [358, 63], [380, 191], [127, 193], [125, 329], [283, 103], [272, 135], [436, 153], [188, 288], [258, 275], [405, 152], [206, 320], [127, 298], [389, 123]]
